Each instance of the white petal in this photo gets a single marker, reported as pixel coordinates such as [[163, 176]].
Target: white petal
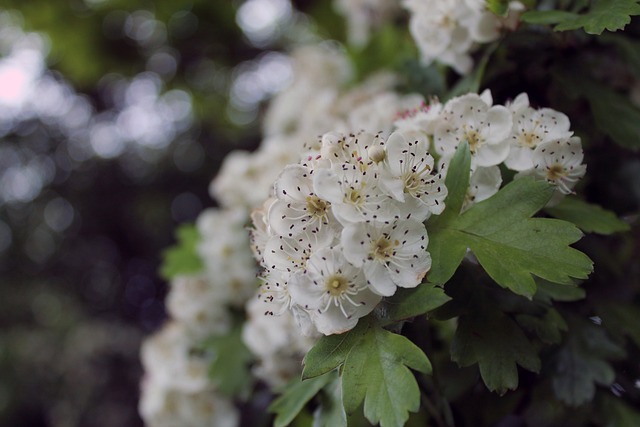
[[304, 292], [491, 154], [499, 124], [293, 183], [379, 279], [355, 243], [328, 185]]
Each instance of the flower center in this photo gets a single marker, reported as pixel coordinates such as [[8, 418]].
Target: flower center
[[316, 206], [528, 139], [474, 140], [383, 248], [555, 172], [336, 285], [354, 197]]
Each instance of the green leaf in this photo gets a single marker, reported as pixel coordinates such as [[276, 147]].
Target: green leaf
[[548, 328], [183, 257], [497, 345], [330, 412], [499, 7], [229, 369], [546, 17], [588, 217], [547, 292], [509, 245], [296, 395], [615, 115], [583, 362], [375, 369], [407, 303], [611, 15], [331, 351]]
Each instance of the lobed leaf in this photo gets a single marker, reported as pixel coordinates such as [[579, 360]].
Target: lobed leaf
[[296, 395], [611, 15], [510, 245], [377, 371], [588, 217], [407, 303], [497, 345]]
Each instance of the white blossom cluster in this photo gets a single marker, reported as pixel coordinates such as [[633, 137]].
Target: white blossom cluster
[[448, 30], [345, 226], [176, 390]]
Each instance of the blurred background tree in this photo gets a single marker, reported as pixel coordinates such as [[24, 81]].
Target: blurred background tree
[[114, 116]]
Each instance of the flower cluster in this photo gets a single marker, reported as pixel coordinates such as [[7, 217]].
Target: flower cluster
[[176, 389], [345, 227], [448, 30]]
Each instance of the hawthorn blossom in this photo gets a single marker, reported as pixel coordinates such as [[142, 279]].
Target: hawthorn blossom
[[391, 256], [354, 195], [558, 162], [335, 292], [420, 119], [410, 176], [224, 248], [486, 128], [276, 343], [298, 206], [161, 407], [193, 301], [531, 128], [483, 183]]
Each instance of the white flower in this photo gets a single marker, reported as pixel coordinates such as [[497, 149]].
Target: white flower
[[435, 26], [531, 128], [298, 207], [411, 179], [192, 300], [224, 248], [355, 195], [420, 119], [274, 292], [245, 179], [470, 118], [335, 292], [354, 148], [162, 407], [391, 255], [276, 342], [559, 163], [483, 183], [288, 254], [166, 357], [260, 233], [378, 114]]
